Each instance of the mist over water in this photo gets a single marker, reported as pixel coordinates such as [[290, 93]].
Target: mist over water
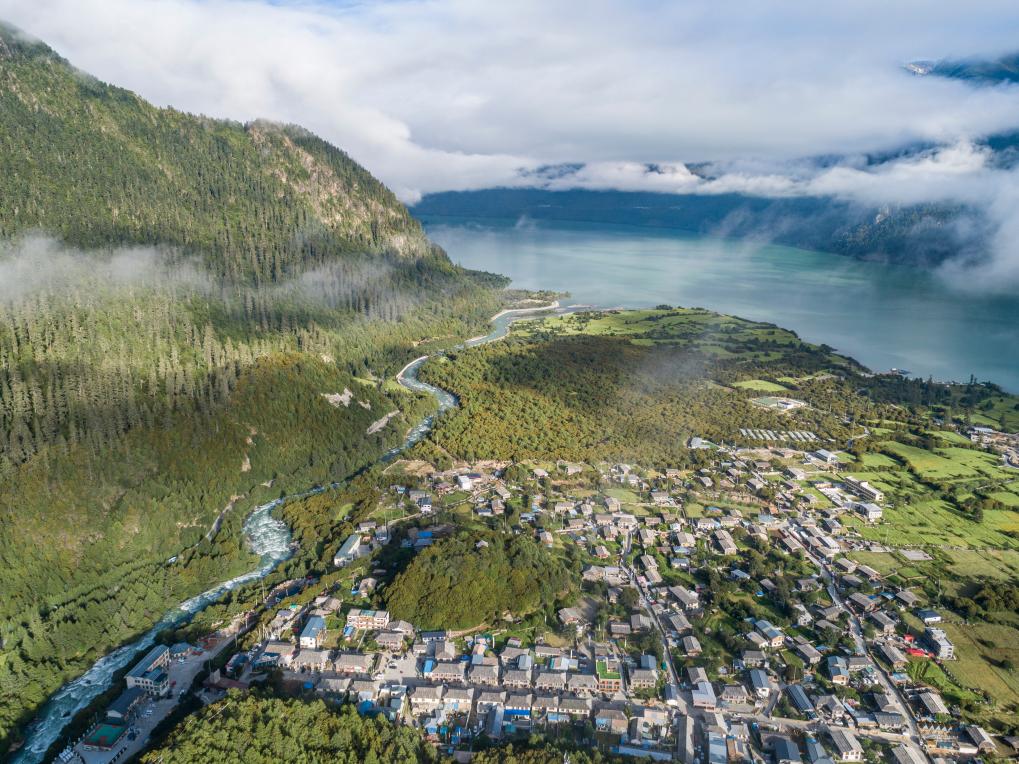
[[884, 316]]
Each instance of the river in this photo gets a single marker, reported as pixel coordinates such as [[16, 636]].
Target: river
[[267, 537], [884, 316]]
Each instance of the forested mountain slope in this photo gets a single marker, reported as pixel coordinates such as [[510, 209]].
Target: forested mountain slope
[[98, 165], [184, 303]]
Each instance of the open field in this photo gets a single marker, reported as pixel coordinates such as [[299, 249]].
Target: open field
[[931, 465], [878, 461], [932, 522], [884, 563], [989, 563], [761, 385], [997, 411], [981, 648], [1008, 498], [950, 436]]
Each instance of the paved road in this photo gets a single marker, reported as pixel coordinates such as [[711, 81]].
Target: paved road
[[646, 603], [862, 648]]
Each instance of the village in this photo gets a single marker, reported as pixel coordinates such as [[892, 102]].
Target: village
[[721, 618]]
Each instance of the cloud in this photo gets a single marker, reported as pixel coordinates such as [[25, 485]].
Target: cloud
[[435, 95], [458, 94], [38, 264]]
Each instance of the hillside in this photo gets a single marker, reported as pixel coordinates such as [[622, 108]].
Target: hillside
[[97, 165], [183, 304]]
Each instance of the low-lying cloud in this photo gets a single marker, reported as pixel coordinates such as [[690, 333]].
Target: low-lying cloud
[[38, 264]]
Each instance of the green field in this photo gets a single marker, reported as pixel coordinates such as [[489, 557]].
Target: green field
[[980, 649], [885, 563], [950, 436], [931, 465], [1008, 498], [874, 461], [932, 522], [989, 563], [761, 385]]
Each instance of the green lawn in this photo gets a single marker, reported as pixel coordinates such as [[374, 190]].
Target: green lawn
[[878, 461], [884, 563], [989, 563], [761, 385], [1008, 498], [931, 465], [950, 436]]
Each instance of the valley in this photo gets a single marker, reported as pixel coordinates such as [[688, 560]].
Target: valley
[[290, 471]]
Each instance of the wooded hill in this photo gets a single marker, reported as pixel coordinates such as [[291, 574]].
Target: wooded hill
[[96, 165], [182, 304]]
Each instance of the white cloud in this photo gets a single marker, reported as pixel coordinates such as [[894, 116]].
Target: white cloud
[[450, 94], [459, 94]]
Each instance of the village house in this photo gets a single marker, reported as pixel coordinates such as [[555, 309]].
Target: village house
[[313, 632], [353, 663]]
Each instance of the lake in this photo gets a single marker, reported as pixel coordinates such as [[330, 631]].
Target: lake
[[884, 316]]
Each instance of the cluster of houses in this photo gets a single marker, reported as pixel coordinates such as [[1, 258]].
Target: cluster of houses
[[456, 688]]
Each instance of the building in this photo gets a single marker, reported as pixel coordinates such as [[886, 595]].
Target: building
[[735, 693], [485, 674], [103, 737], [391, 640], [870, 511], [704, 696], [847, 747], [687, 599], [149, 673], [892, 655], [760, 682], [826, 457], [349, 551], [313, 632], [368, 620], [864, 490], [448, 671], [800, 700], [353, 663], [773, 637], [725, 542], [643, 679], [691, 645], [609, 677], [838, 670], [938, 642], [123, 709], [785, 751]]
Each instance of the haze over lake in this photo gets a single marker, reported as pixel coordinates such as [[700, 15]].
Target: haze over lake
[[884, 316]]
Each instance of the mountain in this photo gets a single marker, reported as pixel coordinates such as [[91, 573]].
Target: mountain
[[97, 165], [921, 235], [1004, 69], [184, 305]]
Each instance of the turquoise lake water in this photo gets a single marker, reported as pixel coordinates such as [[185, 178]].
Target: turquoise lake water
[[884, 316]]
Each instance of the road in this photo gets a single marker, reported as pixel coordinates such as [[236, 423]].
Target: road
[[862, 648], [646, 604]]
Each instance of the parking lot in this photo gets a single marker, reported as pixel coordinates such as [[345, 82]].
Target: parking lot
[[401, 669], [151, 713]]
